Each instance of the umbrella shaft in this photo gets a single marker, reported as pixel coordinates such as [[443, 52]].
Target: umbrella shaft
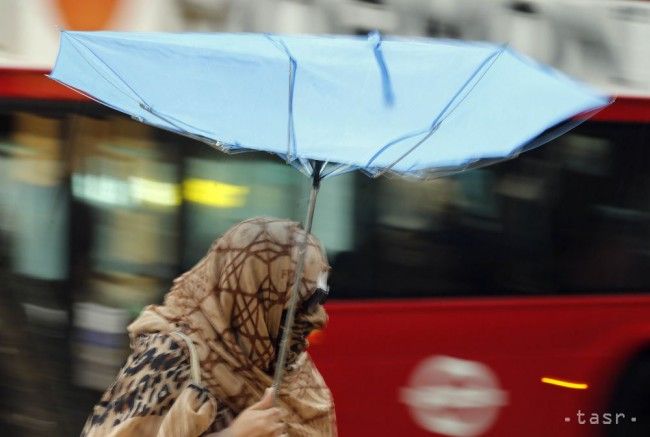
[[293, 299]]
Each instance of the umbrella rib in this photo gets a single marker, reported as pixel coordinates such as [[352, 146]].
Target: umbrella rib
[[492, 59], [442, 116], [217, 145], [323, 167], [418, 144], [175, 122], [307, 169], [341, 168], [117, 76], [99, 73], [142, 103], [293, 65]]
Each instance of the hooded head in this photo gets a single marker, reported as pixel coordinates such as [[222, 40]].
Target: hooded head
[[231, 304], [253, 272]]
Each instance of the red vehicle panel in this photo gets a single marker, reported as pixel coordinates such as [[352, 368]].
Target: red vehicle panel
[[370, 351]]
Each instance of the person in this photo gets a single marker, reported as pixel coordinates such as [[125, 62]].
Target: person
[[202, 362]]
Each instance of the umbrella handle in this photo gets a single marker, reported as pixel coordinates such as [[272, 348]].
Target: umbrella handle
[[293, 299]]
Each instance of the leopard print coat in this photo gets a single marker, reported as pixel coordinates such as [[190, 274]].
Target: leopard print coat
[[154, 395]]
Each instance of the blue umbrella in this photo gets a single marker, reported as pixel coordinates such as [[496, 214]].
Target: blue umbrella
[[331, 104]]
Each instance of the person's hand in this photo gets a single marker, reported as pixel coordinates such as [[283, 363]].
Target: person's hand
[[261, 419]]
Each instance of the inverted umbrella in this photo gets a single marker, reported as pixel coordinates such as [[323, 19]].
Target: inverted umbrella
[[331, 104]]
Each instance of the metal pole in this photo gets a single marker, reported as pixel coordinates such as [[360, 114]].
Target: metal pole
[[293, 299]]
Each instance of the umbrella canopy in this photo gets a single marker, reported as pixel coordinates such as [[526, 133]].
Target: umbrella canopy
[[416, 106]]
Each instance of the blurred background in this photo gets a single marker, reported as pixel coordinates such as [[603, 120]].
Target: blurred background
[[99, 213]]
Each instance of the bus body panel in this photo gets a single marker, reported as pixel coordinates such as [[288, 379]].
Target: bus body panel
[[370, 350]]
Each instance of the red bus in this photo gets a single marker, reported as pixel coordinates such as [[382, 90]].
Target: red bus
[[545, 329], [510, 300]]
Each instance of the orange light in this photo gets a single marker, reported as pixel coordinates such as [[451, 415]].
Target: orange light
[[565, 384]]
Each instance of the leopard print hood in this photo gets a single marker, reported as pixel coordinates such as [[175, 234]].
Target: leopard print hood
[[231, 303]]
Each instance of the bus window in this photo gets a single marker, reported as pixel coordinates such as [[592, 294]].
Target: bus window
[[569, 217]]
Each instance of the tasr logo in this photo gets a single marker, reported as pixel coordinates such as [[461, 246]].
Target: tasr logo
[[453, 397]]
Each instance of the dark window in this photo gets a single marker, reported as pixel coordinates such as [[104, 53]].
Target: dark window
[[570, 217]]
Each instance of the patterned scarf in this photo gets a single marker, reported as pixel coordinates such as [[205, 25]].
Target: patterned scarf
[[231, 303]]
